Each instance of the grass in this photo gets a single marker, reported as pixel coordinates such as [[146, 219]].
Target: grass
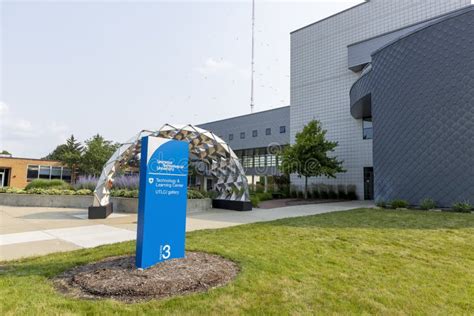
[[363, 261]]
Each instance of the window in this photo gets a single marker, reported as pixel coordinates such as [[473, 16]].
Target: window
[[32, 173], [231, 136], [66, 175], [254, 133], [242, 135], [268, 131], [260, 161], [56, 173], [45, 172], [271, 160], [48, 172], [367, 128], [282, 129], [248, 161]]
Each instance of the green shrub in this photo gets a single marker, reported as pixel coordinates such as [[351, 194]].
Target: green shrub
[[351, 192], [254, 200], [462, 207], [194, 194], [211, 194], [427, 204], [341, 192], [47, 184], [315, 192], [332, 192], [381, 203], [84, 192], [323, 191], [264, 196], [398, 203]]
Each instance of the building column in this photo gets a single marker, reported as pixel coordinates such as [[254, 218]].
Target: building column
[[266, 184]]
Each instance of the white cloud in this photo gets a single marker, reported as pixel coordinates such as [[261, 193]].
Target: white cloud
[[212, 65]]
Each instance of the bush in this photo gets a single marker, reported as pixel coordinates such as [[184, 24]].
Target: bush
[[84, 192], [427, 204], [323, 191], [211, 194], [47, 184], [332, 192], [86, 182], [194, 194], [264, 196], [315, 191], [254, 200], [462, 207], [126, 182], [351, 192], [398, 203], [381, 203], [341, 192]]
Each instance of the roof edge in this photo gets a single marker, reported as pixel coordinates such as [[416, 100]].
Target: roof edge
[[436, 20], [331, 16], [243, 115]]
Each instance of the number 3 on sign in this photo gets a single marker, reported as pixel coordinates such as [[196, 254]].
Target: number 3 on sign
[[166, 251]]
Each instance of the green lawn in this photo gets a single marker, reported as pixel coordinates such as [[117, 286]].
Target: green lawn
[[364, 261]]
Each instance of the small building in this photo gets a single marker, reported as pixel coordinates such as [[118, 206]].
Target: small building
[[18, 172], [256, 139]]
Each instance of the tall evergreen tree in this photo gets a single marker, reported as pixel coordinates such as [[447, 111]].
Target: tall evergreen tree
[[70, 154], [308, 157], [96, 153]]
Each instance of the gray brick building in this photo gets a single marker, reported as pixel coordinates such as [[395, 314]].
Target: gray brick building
[[393, 83]]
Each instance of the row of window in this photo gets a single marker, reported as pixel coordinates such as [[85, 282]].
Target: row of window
[[257, 161], [48, 173], [268, 131]]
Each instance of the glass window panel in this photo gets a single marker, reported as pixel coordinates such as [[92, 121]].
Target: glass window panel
[[282, 129], [367, 128], [32, 172], [242, 135], [66, 174], [231, 136], [268, 131], [45, 172], [254, 133], [56, 173]]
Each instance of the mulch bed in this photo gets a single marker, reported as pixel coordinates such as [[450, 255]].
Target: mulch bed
[[117, 278]]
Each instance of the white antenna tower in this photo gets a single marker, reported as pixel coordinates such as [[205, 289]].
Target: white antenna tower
[[253, 56]]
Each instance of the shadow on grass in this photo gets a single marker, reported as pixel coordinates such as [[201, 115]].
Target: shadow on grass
[[380, 219]]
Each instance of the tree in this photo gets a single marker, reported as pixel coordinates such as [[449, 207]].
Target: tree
[[70, 154], [4, 152], [97, 152], [308, 157]]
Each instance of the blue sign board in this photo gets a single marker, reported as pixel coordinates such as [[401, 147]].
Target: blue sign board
[[162, 201]]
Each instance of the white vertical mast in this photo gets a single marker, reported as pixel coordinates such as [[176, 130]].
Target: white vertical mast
[[253, 56]]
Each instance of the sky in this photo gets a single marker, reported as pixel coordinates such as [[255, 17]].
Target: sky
[[117, 67]]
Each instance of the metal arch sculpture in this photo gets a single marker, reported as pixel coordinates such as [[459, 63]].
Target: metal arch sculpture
[[222, 162]]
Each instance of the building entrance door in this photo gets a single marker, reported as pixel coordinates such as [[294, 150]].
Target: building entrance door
[[2, 175], [368, 183]]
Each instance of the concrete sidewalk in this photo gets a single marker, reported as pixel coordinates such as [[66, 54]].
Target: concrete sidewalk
[[30, 231]]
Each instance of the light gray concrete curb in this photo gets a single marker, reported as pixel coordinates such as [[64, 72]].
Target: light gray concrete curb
[[124, 205]]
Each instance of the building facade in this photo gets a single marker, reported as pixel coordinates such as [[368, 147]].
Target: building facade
[[18, 172], [419, 92], [256, 139], [328, 56]]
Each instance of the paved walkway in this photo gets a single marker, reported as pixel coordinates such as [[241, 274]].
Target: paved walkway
[[30, 231]]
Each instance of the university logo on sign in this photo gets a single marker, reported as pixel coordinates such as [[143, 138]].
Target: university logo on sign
[[162, 201]]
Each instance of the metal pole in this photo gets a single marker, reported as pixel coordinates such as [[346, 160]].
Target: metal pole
[[253, 56]]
